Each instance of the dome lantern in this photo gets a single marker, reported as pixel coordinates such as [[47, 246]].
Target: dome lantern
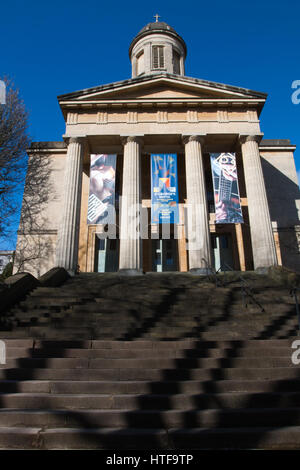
[[157, 48]]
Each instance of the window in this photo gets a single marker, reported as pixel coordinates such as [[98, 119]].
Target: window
[[158, 61], [140, 63], [176, 62]]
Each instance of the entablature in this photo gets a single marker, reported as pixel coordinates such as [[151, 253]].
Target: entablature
[[160, 102]]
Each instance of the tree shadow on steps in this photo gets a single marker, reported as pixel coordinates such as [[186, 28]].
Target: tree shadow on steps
[[197, 416]]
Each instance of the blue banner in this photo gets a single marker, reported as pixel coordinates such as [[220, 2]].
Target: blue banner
[[164, 189]]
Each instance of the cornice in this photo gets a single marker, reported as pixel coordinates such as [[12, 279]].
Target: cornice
[[157, 102], [167, 78], [262, 148]]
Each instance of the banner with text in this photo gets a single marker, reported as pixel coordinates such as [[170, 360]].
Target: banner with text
[[101, 206], [226, 190], [164, 190]]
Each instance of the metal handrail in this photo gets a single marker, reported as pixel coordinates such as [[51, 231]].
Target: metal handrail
[[213, 272], [218, 281], [246, 291], [245, 288]]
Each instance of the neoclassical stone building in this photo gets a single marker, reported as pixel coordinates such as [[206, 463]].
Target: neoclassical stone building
[[161, 111]]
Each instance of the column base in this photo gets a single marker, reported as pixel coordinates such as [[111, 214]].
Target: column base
[[263, 269], [130, 272], [201, 271], [71, 272]]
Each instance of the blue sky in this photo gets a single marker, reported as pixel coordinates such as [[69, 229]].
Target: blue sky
[[51, 48]]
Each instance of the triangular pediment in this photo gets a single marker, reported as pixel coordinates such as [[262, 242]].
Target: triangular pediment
[[162, 87], [155, 91]]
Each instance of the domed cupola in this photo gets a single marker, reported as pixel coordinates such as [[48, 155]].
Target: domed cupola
[[157, 48]]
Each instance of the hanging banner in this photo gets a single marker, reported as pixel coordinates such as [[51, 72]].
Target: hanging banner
[[226, 190], [164, 191], [101, 206]]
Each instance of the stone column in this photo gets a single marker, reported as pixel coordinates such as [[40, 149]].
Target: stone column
[[130, 237], [68, 234], [199, 247], [263, 245]]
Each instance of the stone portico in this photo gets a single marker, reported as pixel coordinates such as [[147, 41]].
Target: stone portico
[[160, 110]]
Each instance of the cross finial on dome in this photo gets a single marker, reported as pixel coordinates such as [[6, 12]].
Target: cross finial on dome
[[156, 17]]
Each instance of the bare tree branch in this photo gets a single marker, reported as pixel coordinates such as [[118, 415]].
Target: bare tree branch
[[14, 141], [34, 241], [34, 244]]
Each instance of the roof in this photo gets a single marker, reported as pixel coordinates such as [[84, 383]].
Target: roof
[[274, 142], [157, 25], [48, 144], [154, 28], [162, 75]]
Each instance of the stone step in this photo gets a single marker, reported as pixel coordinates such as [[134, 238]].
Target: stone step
[[217, 332], [59, 331], [138, 438], [151, 401], [41, 293], [60, 334], [112, 324], [33, 302], [16, 353], [275, 373], [149, 363], [146, 387], [19, 438], [187, 344], [20, 333], [136, 329], [280, 438], [23, 316], [80, 438], [50, 333], [118, 308], [208, 384], [215, 336], [211, 418]]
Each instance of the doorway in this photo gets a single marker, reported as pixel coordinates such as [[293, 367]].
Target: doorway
[[164, 255], [222, 252], [106, 255]]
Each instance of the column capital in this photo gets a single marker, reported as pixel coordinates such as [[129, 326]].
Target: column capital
[[250, 138], [193, 138], [74, 140], [126, 139]]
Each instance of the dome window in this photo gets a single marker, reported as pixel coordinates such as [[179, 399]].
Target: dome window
[[158, 60], [176, 62], [140, 64]]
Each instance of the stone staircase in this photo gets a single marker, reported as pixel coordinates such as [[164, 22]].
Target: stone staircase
[[165, 361], [156, 307]]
